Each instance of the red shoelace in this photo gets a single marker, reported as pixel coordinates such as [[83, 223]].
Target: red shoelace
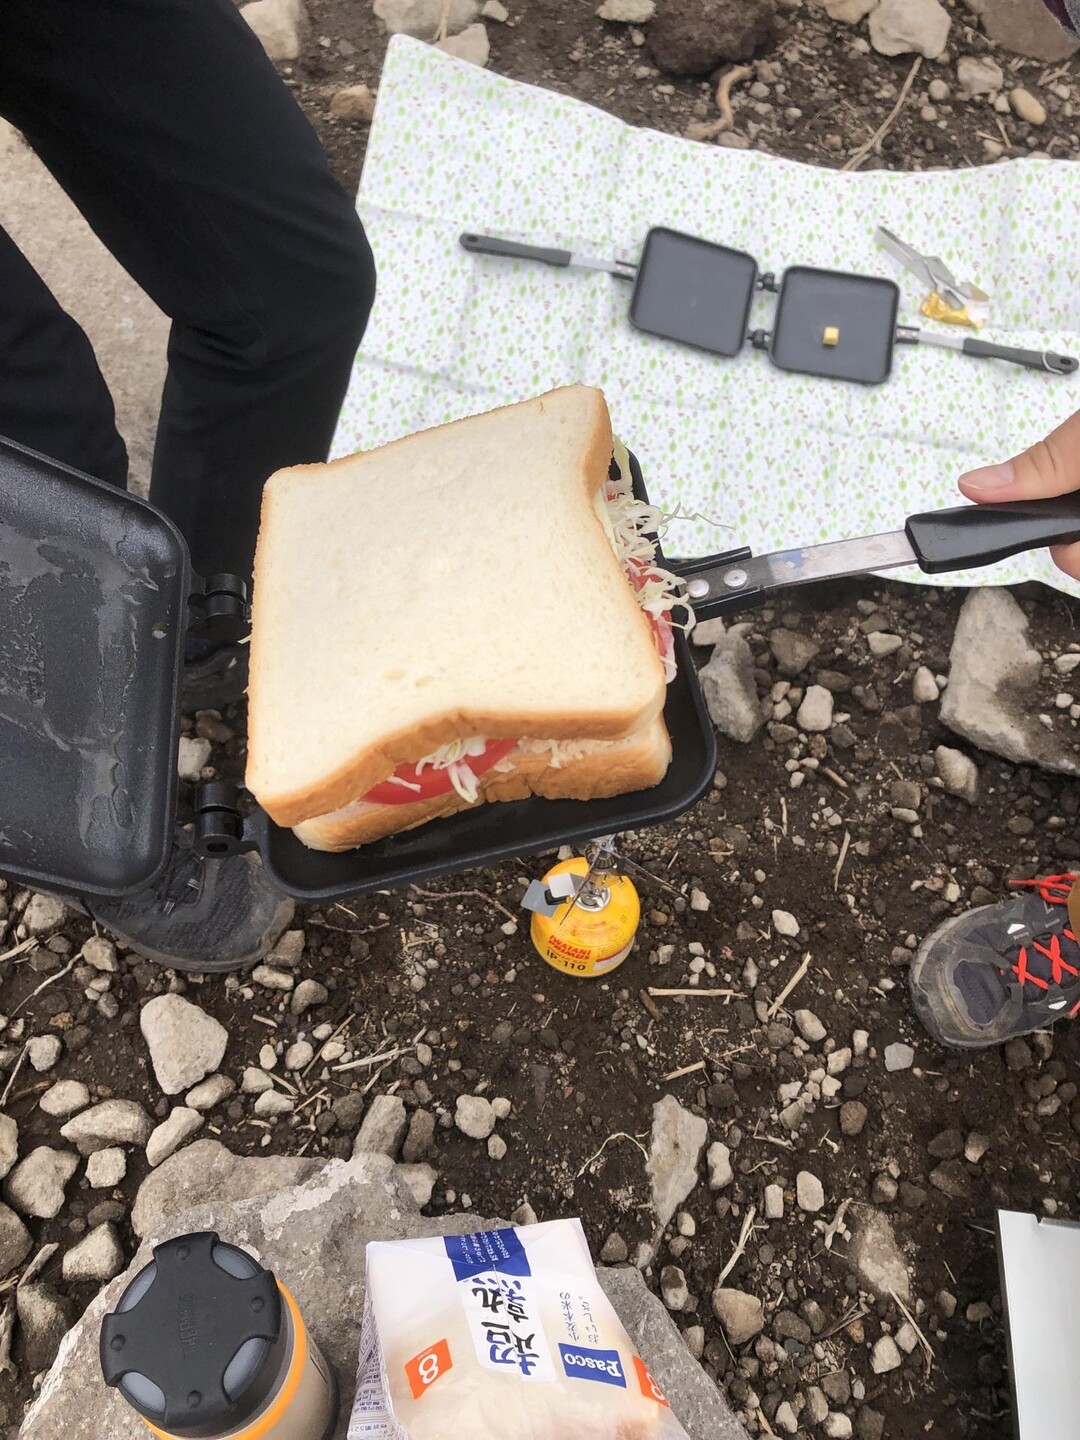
[[1054, 890]]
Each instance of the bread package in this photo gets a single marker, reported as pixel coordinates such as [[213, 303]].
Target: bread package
[[501, 1335]]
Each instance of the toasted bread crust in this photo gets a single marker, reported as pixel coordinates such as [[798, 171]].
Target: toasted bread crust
[[378, 762], [618, 770]]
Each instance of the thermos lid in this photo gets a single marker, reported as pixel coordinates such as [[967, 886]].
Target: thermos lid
[[189, 1343]]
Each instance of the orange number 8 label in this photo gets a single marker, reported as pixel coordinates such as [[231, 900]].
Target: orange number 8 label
[[647, 1384], [424, 1369]]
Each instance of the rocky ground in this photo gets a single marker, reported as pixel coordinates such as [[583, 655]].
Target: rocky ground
[[802, 1175]]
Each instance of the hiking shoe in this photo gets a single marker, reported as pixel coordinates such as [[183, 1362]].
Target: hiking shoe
[[214, 679], [202, 915], [1002, 970]]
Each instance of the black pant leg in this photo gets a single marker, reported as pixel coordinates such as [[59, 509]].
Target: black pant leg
[[53, 397], [175, 137]]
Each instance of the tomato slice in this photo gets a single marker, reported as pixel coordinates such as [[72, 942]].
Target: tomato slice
[[663, 632], [429, 783]]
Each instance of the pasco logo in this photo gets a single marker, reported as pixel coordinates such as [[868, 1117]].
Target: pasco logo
[[603, 1366]]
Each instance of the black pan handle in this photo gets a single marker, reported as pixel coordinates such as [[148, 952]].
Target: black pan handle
[[1032, 359], [512, 250], [968, 536]]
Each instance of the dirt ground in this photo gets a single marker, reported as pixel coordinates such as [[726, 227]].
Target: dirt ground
[[583, 1063]]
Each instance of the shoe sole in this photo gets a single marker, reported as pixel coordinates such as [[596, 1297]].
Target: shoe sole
[[965, 1037], [279, 923]]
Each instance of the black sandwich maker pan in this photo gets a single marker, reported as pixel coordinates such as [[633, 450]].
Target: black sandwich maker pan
[[97, 593], [827, 323]]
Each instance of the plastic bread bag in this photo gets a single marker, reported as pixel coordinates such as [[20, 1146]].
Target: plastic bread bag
[[502, 1335]]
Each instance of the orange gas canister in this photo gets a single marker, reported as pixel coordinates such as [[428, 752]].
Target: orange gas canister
[[592, 933]]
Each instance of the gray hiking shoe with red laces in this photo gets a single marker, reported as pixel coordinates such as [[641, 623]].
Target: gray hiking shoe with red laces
[[1002, 970]]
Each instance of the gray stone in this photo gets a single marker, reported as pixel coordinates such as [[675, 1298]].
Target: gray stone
[[615, 1250], [277, 23], [299, 1055], [785, 1419], [993, 678], [208, 1173], [36, 1185], [850, 12], [904, 27], [353, 102], [43, 915], [307, 995], [106, 1168], [98, 1258], [699, 1407], [885, 1356], [210, 1092], [314, 1236], [1025, 105], [899, 1056], [718, 1160], [383, 1128], [677, 1140], [881, 644], [496, 1147], [727, 682], [471, 45], [809, 1192], [785, 924], [185, 1043], [126, 329], [44, 1320], [420, 1139], [838, 1426], [272, 1103], [495, 10], [810, 1027], [877, 1257], [420, 18], [420, 1180], [792, 651], [952, 1179], [979, 75], [740, 1314], [628, 12], [100, 954], [958, 773], [271, 978], [1026, 27], [774, 1202], [708, 633], [289, 950], [853, 1117], [474, 1116], [64, 1099], [112, 1122], [191, 756], [694, 37], [43, 1051], [9, 1144], [674, 1289], [815, 714], [255, 1081], [15, 1241], [924, 688], [182, 1123]]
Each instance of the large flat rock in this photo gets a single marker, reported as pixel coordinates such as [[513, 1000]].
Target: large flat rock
[[313, 1234], [127, 330]]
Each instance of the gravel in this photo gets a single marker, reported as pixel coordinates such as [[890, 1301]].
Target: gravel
[[185, 1043], [809, 1192], [474, 1116], [899, 1056]]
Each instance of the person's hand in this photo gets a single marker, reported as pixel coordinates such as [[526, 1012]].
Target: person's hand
[[1052, 467]]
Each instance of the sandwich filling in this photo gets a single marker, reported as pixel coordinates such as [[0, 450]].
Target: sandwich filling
[[631, 527]]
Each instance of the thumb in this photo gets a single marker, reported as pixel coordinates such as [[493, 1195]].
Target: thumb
[[1050, 467]]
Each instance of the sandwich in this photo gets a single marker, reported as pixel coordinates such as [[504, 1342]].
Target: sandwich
[[471, 614]]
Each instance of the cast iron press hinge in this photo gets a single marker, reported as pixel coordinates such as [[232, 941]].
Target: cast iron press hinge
[[218, 608]]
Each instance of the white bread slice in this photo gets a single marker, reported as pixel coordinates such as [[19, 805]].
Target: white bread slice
[[458, 582], [593, 770]]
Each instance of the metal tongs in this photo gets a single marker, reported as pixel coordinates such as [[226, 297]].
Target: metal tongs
[[960, 303], [962, 538]]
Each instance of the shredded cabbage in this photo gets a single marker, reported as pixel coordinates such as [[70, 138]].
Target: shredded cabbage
[[632, 527]]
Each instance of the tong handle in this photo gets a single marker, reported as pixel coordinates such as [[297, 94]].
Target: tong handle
[[1032, 359], [514, 250], [968, 536]]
